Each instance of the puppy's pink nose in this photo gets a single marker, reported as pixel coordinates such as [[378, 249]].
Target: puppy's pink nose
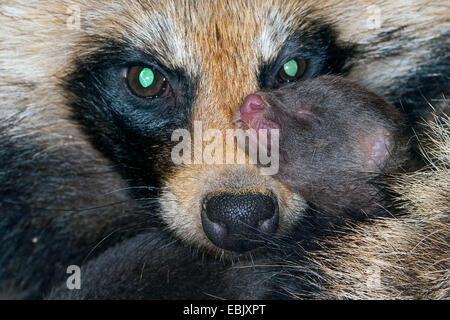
[[256, 114], [253, 106]]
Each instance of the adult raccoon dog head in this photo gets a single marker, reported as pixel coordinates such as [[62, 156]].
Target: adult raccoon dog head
[[130, 73]]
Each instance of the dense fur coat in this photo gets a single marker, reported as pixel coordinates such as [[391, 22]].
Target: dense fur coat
[[85, 167]]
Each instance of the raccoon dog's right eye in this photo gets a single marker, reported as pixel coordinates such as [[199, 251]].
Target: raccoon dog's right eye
[[146, 82]]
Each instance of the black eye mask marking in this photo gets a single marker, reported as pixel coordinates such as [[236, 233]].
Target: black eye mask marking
[[315, 54], [130, 129]]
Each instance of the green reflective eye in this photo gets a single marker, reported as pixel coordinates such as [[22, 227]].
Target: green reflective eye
[[291, 68], [146, 82], [146, 77]]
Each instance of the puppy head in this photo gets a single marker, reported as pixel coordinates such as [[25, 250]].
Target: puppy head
[[336, 138]]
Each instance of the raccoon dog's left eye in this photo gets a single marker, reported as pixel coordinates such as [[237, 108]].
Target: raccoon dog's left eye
[[146, 82], [292, 70]]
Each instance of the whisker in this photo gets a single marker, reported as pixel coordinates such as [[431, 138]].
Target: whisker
[[136, 187], [99, 243]]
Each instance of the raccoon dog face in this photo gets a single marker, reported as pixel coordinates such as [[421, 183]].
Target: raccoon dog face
[[135, 72]]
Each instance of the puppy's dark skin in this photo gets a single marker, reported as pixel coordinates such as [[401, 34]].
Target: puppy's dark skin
[[337, 141]]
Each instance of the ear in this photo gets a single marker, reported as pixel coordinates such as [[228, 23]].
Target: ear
[[376, 148]]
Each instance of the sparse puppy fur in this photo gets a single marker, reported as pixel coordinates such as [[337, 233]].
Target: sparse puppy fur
[[338, 141], [91, 92]]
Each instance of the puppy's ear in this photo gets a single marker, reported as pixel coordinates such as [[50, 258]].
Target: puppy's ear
[[376, 147]]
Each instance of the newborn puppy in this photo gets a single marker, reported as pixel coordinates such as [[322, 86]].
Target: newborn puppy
[[337, 140]]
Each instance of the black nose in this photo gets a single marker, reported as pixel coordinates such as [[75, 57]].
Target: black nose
[[237, 222]]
